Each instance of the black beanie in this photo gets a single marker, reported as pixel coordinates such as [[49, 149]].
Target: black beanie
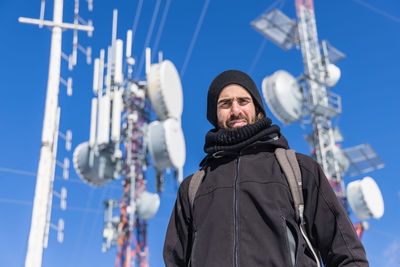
[[224, 79]]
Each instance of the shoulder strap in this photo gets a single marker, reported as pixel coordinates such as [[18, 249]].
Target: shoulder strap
[[290, 166], [288, 162], [194, 184]]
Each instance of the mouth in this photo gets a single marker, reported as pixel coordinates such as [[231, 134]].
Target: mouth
[[237, 123]]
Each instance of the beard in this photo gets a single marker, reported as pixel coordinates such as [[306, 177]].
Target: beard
[[249, 121]]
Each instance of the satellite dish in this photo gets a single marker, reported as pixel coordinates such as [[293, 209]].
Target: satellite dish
[[147, 205], [95, 168], [166, 144], [333, 75], [365, 198], [283, 96], [165, 90]]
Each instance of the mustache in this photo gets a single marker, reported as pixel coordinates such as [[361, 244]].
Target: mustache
[[240, 117]]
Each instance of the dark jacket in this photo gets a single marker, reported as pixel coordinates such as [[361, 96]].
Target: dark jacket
[[243, 211]]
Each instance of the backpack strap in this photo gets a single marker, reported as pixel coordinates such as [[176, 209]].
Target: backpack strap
[[288, 162], [290, 166], [194, 184]]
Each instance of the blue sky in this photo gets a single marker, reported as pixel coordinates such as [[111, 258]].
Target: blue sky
[[366, 31]]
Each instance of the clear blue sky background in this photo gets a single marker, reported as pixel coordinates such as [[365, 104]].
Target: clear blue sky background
[[366, 31]]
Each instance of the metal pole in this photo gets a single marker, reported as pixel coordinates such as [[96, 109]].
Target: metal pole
[[45, 172], [323, 138]]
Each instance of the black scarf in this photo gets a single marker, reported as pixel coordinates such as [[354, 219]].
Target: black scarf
[[234, 140]]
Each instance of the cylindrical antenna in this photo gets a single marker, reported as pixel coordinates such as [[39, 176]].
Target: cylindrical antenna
[[68, 140], [118, 75], [90, 23], [76, 8], [69, 86], [88, 55], [109, 70], [101, 72], [96, 74], [66, 168], [75, 35], [70, 62], [129, 43], [116, 115], [63, 198], [90, 5], [111, 56], [148, 59], [103, 124], [160, 56], [42, 7], [114, 27], [93, 123], [60, 231]]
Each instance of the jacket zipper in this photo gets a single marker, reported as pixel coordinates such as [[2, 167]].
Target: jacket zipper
[[235, 214]]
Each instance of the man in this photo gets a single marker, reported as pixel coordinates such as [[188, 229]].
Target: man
[[243, 213]]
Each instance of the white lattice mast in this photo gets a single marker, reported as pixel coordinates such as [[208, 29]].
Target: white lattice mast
[[309, 99], [321, 111], [45, 175]]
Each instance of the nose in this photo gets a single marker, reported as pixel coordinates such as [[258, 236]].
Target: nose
[[235, 110]]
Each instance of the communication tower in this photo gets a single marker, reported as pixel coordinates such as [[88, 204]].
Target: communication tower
[[121, 137], [41, 213], [309, 100]]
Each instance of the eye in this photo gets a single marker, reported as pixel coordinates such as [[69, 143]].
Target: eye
[[244, 101], [225, 103]]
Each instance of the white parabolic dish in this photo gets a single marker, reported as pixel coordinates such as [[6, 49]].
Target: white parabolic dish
[[166, 144], [333, 75], [365, 198], [147, 205], [165, 90], [283, 96]]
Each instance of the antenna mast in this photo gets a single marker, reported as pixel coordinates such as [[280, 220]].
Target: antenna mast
[[321, 110], [292, 99], [45, 175], [102, 158]]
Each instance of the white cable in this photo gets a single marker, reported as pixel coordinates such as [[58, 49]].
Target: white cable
[[30, 203], [310, 246], [257, 57], [376, 10], [17, 171], [194, 38], [137, 16], [161, 27], [262, 45], [95, 220], [147, 41], [28, 173], [80, 233]]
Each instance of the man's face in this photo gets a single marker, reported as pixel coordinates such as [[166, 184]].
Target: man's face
[[235, 107]]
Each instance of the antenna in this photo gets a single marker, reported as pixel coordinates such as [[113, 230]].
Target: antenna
[[128, 43], [118, 76], [116, 115], [96, 74], [93, 123], [75, 45], [103, 124], [63, 198], [68, 84], [310, 97], [101, 160], [41, 212], [160, 56], [148, 60], [42, 8]]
